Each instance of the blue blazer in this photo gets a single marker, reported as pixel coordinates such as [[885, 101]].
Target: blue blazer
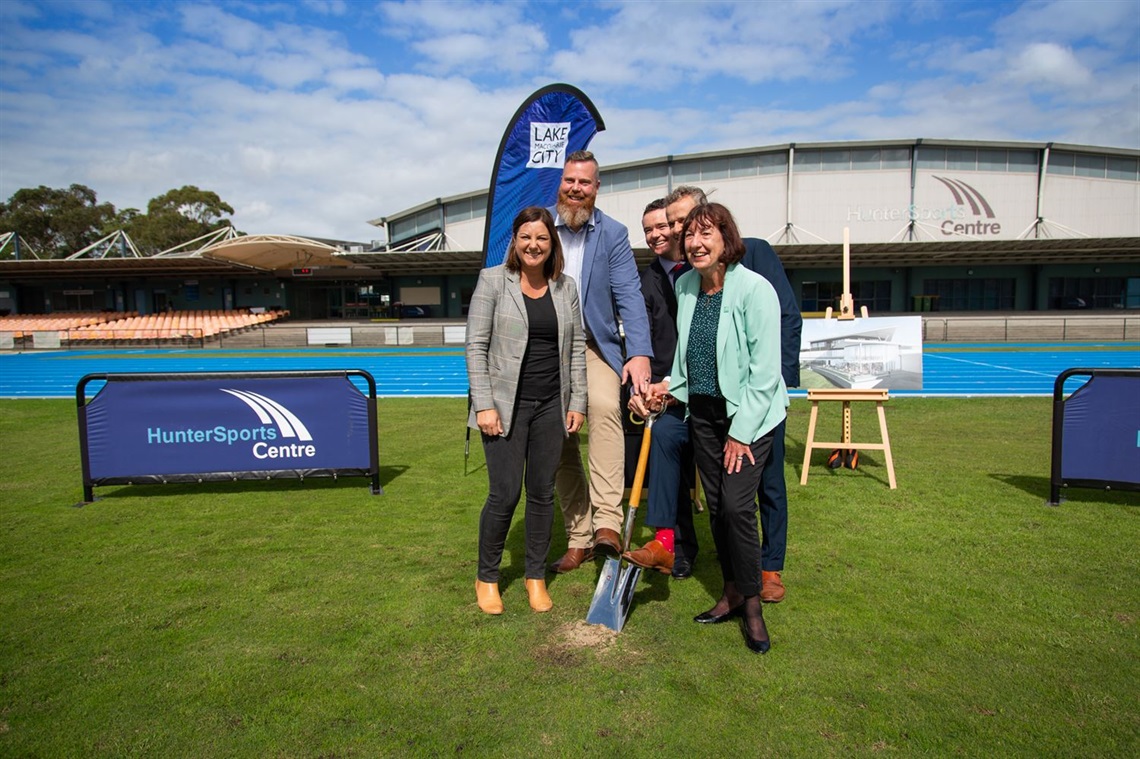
[[497, 333], [611, 288], [747, 351]]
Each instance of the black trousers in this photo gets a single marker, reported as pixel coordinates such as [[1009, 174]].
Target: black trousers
[[532, 450], [731, 498]]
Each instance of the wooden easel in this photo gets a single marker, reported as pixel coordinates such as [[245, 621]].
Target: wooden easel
[[847, 396]]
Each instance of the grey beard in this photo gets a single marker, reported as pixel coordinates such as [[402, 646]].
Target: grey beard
[[574, 217]]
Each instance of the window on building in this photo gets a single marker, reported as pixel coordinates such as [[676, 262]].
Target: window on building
[[992, 160], [621, 180], [773, 163], [808, 160], [744, 166], [962, 159], [1122, 168], [895, 158], [687, 172], [1089, 165], [866, 158], [1022, 161], [1086, 292], [874, 294], [972, 293], [460, 210], [430, 219], [836, 160], [633, 178], [655, 175], [714, 168], [1061, 163], [77, 300], [931, 158]]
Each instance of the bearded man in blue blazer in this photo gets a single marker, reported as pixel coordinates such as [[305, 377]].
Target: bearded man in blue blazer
[[600, 259]]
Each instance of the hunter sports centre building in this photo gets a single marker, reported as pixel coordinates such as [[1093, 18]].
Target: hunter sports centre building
[[942, 225]]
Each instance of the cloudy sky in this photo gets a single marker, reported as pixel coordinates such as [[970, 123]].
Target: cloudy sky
[[310, 117]]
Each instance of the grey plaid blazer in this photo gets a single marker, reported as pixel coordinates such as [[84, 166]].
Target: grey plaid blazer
[[497, 332]]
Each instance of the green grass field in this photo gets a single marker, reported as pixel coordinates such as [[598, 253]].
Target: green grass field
[[955, 616]]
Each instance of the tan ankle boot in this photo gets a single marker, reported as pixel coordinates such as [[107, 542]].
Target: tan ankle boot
[[539, 598], [487, 594]]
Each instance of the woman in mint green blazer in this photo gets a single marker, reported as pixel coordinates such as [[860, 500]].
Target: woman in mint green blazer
[[727, 369]]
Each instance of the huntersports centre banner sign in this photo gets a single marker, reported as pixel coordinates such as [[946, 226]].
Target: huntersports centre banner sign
[[553, 122], [148, 428]]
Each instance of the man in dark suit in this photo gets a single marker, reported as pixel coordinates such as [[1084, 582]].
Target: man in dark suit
[[773, 492], [670, 454]]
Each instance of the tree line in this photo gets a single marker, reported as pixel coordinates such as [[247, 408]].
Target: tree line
[[59, 222]]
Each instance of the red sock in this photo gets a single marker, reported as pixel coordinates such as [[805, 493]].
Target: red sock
[[665, 537]]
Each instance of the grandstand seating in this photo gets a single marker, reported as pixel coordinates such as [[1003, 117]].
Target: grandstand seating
[[22, 325], [172, 326]]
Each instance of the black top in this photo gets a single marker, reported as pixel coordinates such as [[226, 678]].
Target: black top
[[539, 378]]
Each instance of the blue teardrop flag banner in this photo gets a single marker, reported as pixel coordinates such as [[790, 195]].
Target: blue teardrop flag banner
[[553, 122]]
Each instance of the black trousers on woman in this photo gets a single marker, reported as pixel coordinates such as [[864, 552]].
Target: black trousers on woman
[[731, 498], [533, 450]]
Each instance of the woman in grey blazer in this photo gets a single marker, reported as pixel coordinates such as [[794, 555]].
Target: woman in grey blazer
[[526, 366]]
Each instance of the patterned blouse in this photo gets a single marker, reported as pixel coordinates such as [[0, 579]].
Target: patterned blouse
[[701, 353]]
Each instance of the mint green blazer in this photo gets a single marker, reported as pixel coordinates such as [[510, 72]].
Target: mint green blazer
[[747, 351]]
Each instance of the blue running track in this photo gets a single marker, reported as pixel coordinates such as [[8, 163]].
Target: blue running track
[[949, 369]]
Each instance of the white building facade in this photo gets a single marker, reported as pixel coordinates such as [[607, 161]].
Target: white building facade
[[933, 224]]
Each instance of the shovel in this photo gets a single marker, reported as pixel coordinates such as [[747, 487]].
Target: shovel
[[614, 595]]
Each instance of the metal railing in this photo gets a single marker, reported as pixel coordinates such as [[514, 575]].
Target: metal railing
[[947, 328]]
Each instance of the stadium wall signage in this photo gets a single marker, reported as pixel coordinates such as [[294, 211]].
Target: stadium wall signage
[[969, 214], [195, 427]]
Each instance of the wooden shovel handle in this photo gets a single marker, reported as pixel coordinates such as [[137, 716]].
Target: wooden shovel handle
[[642, 465]]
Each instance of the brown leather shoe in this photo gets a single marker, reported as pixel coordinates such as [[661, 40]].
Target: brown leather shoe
[[607, 542], [652, 555], [572, 559], [771, 587]]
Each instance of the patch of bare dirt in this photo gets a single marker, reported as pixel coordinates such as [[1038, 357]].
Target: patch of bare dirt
[[580, 634], [570, 642]]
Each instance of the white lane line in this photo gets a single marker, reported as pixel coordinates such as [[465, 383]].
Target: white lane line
[[991, 366]]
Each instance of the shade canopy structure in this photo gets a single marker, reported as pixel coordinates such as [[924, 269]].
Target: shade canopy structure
[[275, 252]]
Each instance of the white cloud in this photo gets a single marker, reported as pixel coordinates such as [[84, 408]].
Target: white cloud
[[313, 121], [467, 38], [1050, 65], [1111, 23]]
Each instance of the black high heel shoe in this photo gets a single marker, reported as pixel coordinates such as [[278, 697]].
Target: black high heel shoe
[[754, 645], [708, 618]]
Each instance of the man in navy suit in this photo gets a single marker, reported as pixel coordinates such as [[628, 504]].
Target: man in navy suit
[[600, 259], [670, 508], [773, 492]]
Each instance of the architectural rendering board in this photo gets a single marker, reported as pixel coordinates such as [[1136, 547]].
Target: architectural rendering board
[[882, 353]]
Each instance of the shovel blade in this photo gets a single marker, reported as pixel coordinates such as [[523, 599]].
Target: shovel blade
[[613, 597]]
